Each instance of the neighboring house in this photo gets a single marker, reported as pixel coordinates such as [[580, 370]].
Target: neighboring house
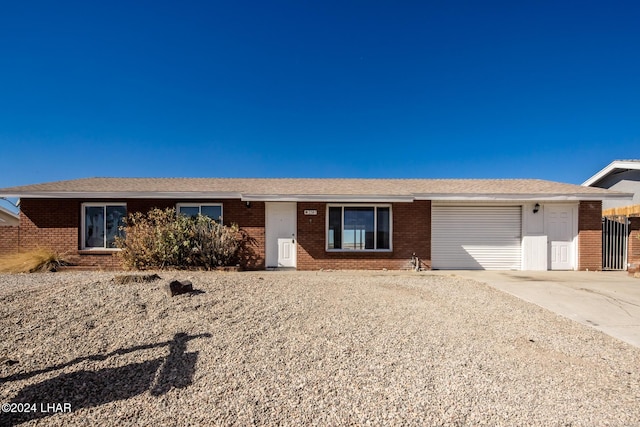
[[8, 218], [622, 240], [9, 231], [619, 175], [312, 224]]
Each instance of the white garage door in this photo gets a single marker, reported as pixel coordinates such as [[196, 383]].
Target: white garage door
[[476, 238]]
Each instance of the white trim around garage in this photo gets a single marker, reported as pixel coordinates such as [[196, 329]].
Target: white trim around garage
[[476, 237]]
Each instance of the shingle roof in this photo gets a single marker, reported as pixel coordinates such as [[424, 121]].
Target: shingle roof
[[306, 188]]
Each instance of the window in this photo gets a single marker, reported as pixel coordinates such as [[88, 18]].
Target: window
[[359, 228], [213, 211], [101, 224]]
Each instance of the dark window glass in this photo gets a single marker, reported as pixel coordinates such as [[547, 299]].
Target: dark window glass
[[213, 212], [94, 227], [102, 225], [114, 220], [191, 211], [358, 228], [335, 228], [383, 228]]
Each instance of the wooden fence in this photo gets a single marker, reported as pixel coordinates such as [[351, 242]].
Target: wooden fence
[[633, 210]]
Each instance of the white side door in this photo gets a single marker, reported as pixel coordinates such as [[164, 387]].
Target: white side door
[[560, 232], [280, 234]]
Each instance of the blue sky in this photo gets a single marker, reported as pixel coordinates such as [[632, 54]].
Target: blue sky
[[441, 89]]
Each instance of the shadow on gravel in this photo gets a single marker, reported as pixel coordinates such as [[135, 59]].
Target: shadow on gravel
[[82, 389]]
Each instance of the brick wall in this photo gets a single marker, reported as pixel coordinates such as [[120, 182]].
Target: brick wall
[[590, 235], [52, 224], [411, 233], [9, 239], [55, 224], [633, 256]]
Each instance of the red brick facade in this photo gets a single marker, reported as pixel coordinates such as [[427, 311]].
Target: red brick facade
[[56, 224], [411, 234], [9, 236], [590, 236], [633, 255]]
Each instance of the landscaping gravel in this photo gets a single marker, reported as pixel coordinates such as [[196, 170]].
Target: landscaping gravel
[[291, 348]]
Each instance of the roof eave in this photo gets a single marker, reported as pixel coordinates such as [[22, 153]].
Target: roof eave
[[9, 213], [616, 164], [210, 195], [524, 197], [123, 195], [330, 198], [337, 198]]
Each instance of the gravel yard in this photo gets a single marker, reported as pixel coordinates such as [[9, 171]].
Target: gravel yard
[[290, 348]]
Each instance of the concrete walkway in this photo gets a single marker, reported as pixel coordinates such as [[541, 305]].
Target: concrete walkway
[[607, 301]]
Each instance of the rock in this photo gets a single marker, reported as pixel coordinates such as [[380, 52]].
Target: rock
[[177, 287]]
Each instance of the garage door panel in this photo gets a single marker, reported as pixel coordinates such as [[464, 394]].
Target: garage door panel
[[486, 238]]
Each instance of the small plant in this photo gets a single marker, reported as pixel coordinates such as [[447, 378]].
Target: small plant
[[36, 260], [163, 239], [125, 279]]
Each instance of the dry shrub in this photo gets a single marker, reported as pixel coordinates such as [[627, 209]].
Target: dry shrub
[[37, 260], [163, 239]]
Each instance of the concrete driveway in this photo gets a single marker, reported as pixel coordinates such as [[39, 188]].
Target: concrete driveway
[[607, 301]]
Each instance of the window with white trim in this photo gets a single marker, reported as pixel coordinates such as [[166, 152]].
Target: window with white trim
[[101, 224], [212, 210], [359, 228]]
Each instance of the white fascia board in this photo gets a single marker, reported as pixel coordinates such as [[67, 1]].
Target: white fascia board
[[9, 213], [124, 195], [326, 198], [616, 164], [525, 197]]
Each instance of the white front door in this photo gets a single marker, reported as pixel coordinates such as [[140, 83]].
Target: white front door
[[560, 232], [280, 234]]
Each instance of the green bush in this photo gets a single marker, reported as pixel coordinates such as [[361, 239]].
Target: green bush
[[162, 239]]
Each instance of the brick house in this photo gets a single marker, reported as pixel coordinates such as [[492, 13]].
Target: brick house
[[308, 224]]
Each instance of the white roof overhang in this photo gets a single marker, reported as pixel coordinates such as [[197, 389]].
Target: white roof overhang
[[125, 195], [524, 197], [326, 198], [9, 213], [616, 164], [351, 198]]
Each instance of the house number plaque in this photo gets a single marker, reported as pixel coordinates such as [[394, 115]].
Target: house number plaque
[[311, 212]]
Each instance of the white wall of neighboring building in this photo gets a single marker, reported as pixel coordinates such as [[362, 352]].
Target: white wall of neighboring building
[[8, 218], [619, 175], [624, 181]]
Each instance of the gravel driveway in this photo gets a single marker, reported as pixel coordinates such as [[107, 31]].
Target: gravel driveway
[[290, 348]]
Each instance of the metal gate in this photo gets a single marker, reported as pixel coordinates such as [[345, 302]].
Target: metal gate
[[615, 230]]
